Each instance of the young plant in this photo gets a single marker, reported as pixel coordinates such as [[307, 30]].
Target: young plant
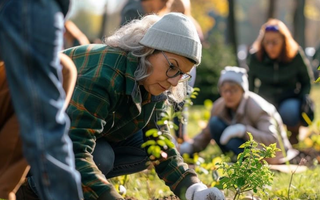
[[251, 171], [157, 145], [158, 142], [119, 183], [178, 112]]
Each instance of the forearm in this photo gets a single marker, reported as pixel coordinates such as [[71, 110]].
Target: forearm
[[69, 74]]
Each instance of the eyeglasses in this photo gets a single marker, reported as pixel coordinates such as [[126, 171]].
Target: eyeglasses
[[271, 42], [232, 91], [273, 28], [174, 71]]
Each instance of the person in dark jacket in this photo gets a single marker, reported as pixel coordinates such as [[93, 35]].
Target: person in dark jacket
[[136, 9], [121, 91], [280, 72]]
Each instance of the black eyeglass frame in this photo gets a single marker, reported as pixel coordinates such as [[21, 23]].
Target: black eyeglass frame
[[179, 72]]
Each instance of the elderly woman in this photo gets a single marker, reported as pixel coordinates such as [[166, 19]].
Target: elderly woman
[[237, 112], [120, 91]]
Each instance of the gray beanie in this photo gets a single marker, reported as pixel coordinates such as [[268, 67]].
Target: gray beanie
[[235, 74], [174, 33]]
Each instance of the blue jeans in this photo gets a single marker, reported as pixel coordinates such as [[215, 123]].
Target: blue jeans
[[289, 111], [125, 157], [31, 35], [217, 127]]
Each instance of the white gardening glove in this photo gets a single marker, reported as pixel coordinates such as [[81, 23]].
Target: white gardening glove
[[187, 148], [232, 131], [200, 191]]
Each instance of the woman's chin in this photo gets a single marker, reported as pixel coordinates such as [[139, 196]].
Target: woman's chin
[[230, 105], [273, 56], [156, 93]]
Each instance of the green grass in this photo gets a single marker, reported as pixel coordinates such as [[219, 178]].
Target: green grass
[[305, 185]]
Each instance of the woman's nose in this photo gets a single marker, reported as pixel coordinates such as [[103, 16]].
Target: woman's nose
[[174, 81]]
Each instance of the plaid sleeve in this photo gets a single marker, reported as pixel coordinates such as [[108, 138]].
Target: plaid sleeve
[[87, 122]]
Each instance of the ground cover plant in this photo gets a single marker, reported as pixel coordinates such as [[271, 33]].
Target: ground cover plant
[[250, 172], [288, 186], [274, 185]]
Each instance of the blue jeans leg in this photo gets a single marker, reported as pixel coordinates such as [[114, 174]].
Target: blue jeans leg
[[289, 111], [126, 157], [217, 126], [31, 34]]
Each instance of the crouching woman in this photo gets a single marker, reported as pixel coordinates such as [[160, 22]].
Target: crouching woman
[[237, 112]]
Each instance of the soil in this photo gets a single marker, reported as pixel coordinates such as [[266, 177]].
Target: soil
[[163, 198]]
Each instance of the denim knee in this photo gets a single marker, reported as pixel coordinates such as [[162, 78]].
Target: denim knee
[[104, 156], [234, 144], [289, 111], [217, 126]]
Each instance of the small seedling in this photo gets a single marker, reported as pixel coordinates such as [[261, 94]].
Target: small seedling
[[157, 145], [251, 171]]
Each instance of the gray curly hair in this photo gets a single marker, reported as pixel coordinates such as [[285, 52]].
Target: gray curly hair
[[128, 38]]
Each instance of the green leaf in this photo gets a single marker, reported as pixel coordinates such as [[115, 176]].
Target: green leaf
[[208, 103], [151, 132], [156, 134], [151, 149], [148, 143], [250, 136], [156, 151], [161, 143], [196, 89], [169, 143], [193, 96]]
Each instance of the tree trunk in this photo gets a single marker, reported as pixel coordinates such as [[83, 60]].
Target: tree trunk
[[231, 29], [299, 23], [271, 10]]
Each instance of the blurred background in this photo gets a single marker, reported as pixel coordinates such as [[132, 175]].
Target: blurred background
[[229, 27]]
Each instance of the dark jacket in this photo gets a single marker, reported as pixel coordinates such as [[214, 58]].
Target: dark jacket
[[278, 80], [132, 10], [64, 5]]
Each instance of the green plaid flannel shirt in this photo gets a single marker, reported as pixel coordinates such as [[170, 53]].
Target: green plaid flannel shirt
[[107, 102]]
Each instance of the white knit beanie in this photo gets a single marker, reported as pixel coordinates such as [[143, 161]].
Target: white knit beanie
[[235, 74], [174, 33]]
